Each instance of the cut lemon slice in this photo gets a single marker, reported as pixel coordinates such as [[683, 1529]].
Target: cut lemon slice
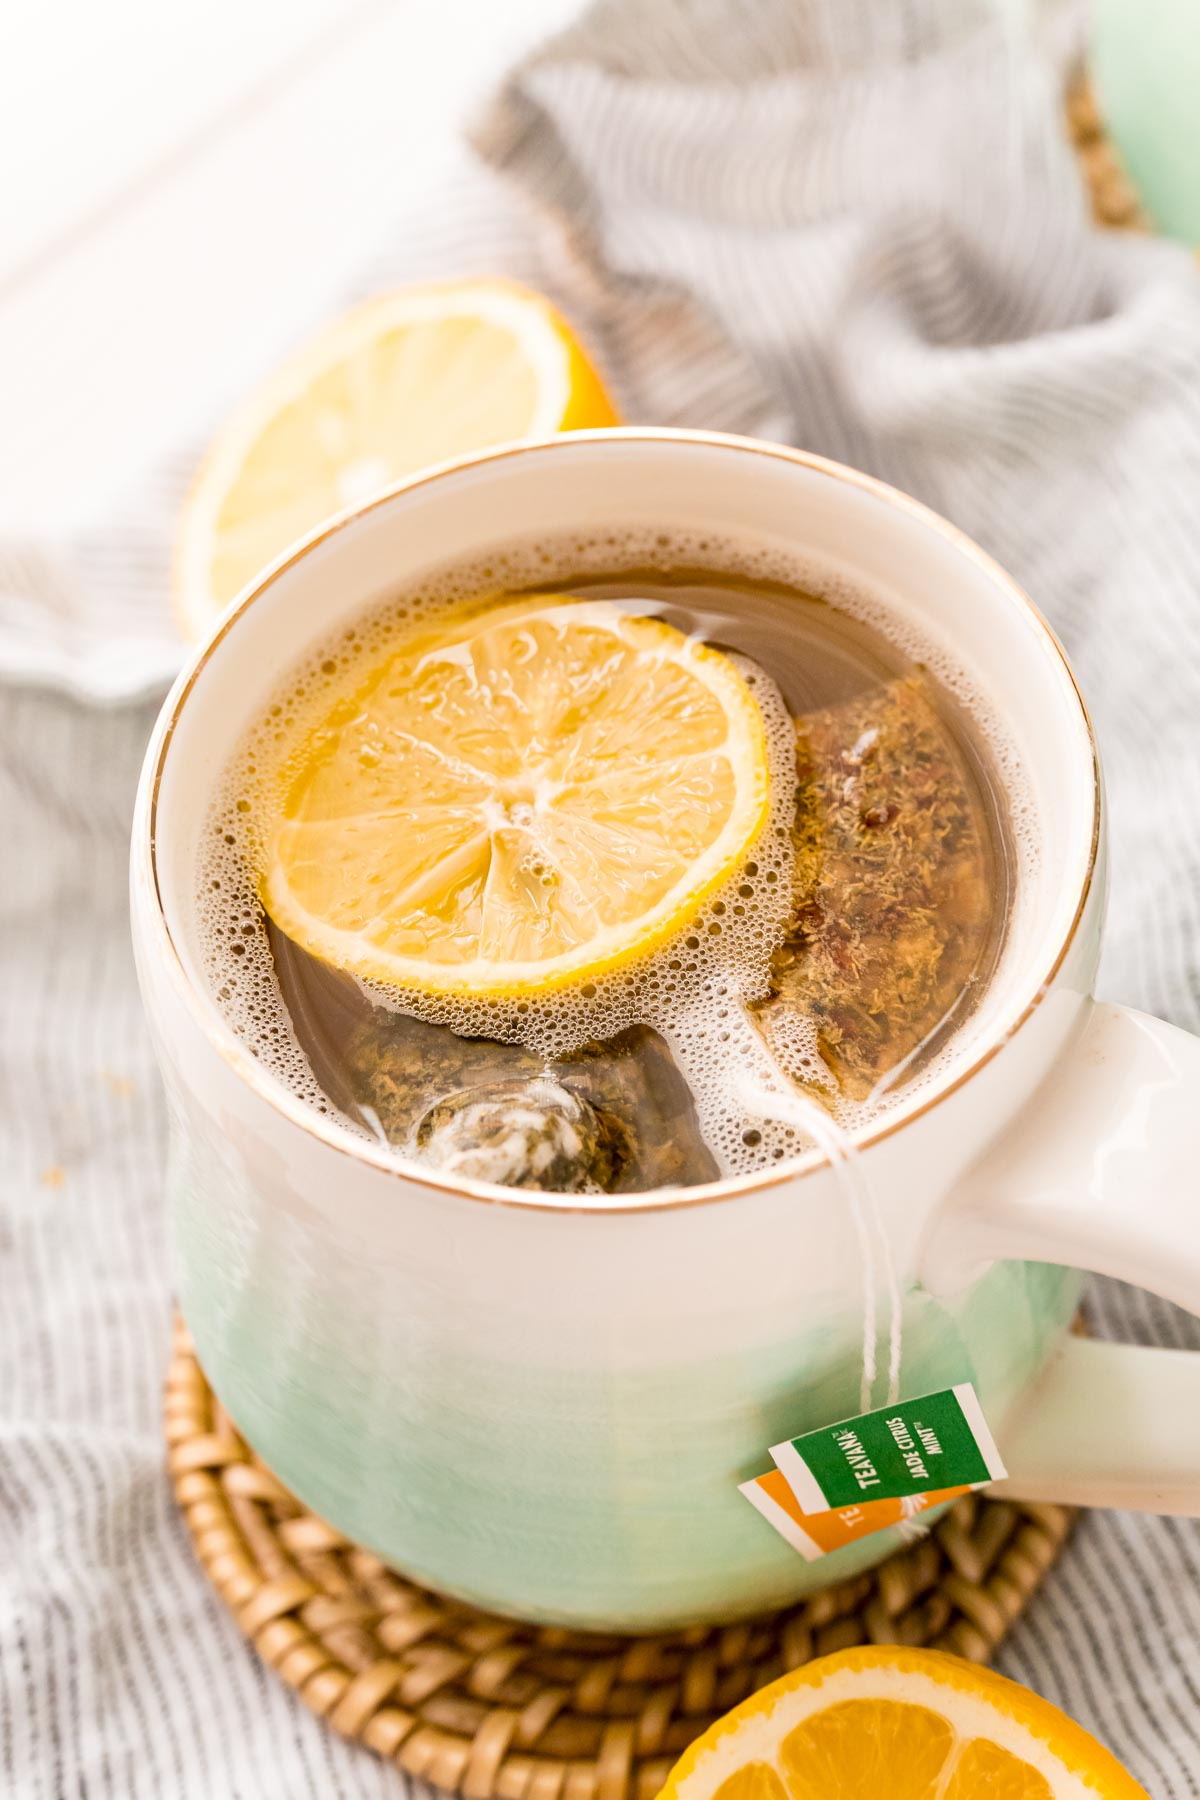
[[407, 380], [888, 1723], [530, 793]]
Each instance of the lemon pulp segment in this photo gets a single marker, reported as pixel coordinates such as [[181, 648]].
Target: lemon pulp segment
[[534, 792]]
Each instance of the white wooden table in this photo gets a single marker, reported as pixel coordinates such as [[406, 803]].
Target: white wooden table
[[187, 188]]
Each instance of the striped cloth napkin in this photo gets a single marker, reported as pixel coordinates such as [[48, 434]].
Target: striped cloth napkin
[[853, 224]]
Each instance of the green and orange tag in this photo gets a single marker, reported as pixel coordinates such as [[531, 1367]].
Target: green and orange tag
[[847, 1480], [815, 1534]]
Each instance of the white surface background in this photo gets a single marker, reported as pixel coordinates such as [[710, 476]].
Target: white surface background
[[186, 186]]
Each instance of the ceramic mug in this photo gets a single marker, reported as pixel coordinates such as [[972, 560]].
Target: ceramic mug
[[546, 1406]]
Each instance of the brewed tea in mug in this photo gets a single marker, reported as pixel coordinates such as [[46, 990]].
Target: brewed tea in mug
[[832, 964]]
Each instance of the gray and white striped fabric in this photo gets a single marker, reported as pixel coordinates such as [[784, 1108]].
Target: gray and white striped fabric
[[850, 223]]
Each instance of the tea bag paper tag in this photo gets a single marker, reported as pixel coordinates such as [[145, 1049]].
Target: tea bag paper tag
[[814, 1535], [910, 1448]]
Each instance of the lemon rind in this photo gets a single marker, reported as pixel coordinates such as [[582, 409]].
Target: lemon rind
[[533, 323]]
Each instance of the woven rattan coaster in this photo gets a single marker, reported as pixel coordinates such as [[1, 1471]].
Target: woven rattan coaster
[[485, 1707]]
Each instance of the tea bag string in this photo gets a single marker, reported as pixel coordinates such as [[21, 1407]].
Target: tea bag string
[[762, 1090], [869, 1228], [867, 1221]]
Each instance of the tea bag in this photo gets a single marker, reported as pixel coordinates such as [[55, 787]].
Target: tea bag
[[615, 1116], [529, 1134], [612, 1117], [893, 908]]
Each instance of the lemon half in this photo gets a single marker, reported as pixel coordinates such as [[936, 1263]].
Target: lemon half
[[886, 1721], [527, 795], [405, 381]]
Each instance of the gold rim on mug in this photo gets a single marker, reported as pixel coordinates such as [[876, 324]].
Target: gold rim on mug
[[657, 1199]]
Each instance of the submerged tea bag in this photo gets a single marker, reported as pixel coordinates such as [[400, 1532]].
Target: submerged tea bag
[[530, 1134], [425, 1090], [638, 1119], [894, 911]]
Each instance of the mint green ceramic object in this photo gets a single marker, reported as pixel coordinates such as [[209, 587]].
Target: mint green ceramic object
[[1146, 67], [608, 1495]]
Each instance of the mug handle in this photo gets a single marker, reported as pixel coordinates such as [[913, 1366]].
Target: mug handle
[[1101, 1172]]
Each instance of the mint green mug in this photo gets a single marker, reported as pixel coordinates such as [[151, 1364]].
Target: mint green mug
[[545, 1405], [1145, 63]]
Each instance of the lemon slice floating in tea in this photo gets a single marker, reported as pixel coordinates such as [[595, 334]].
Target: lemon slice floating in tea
[[516, 798], [406, 380], [886, 1721]]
